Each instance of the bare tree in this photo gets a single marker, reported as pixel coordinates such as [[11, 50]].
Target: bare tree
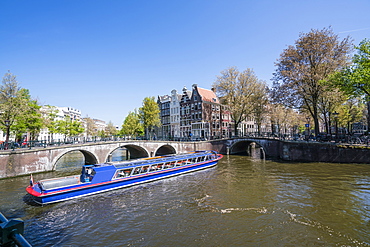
[[239, 91], [302, 67]]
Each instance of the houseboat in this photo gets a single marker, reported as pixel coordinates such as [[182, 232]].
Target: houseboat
[[108, 176]]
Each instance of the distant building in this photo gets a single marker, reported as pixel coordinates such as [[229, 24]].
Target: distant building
[[72, 113], [185, 114], [164, 103], [92, 127], [195, 114], [60, 113], [175, 114], [205, 114], [226, 122]]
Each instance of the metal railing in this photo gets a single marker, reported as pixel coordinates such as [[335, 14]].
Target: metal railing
[[11, 232], [343, 139]]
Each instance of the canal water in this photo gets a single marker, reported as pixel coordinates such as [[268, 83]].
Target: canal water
[[240, 202]]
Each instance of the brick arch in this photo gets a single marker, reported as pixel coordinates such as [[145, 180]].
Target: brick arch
[[165, 149], [90, 158]]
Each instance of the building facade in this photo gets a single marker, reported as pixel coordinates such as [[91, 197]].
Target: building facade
[[164, 103], [175, 115], [58, 113]]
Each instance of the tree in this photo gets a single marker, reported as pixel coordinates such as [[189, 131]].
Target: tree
[[329, 101], [50, 114], [91, 128], [68, 127], [300, 69], [355, 79], [284, 120], [149, 115], [131, 125], [350, 112], [239, 91], [261, 104], [111, 130], [31, 120], [13, 103]]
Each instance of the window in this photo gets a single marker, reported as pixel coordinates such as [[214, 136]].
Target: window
[[123, 173]]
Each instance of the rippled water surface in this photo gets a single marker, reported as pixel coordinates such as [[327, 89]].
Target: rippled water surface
[[240, 202]]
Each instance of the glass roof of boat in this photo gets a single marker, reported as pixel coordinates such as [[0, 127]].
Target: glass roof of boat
[[165, 158]]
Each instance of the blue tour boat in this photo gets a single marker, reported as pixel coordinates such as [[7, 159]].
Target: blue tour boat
[[114, 175]]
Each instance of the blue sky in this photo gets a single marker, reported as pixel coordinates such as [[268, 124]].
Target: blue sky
[[104, 57]]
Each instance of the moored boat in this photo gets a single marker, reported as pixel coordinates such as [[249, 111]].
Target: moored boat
[[108, 176]]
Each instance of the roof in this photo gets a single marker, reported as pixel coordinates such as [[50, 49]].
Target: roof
[[208, 95]]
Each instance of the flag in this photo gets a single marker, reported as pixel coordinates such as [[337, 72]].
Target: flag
[[31, 181]]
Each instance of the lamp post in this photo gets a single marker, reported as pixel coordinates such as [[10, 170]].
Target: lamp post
[[308, 128], [7, 125], [335, 114]]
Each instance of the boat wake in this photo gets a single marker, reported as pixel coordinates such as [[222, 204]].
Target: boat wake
[[286, 216]]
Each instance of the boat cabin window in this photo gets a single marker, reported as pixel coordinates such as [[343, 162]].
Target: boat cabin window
[[123, 173], [144, 169], [153, 168], [180, 163], [137, 170]]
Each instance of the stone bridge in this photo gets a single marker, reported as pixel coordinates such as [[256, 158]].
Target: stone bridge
[[26, 161]]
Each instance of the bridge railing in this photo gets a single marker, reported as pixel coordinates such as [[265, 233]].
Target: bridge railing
[[344, 139]]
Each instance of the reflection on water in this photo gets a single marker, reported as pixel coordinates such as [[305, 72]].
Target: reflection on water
[[72, 162], [239, 202]]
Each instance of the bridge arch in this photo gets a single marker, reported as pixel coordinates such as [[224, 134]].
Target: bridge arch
[[89, 157], [135, 151], [249, 147], [165, 149]]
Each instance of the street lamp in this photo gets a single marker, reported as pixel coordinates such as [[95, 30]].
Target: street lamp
[[308, 128], [335, 114], [7, 124]]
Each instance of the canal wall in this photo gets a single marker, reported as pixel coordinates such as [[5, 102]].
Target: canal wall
[[316, 152]]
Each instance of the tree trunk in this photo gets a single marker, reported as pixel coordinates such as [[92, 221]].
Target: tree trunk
[[368, 116], [236, 128]]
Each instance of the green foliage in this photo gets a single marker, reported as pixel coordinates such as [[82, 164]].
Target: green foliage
[[355, 79], [30, 121], [149, 115], [111, 130], [132, 125], [350, 112], [18, 112], [68, 127]]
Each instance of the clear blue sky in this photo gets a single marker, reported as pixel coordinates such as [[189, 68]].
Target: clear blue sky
[[104, 56]]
